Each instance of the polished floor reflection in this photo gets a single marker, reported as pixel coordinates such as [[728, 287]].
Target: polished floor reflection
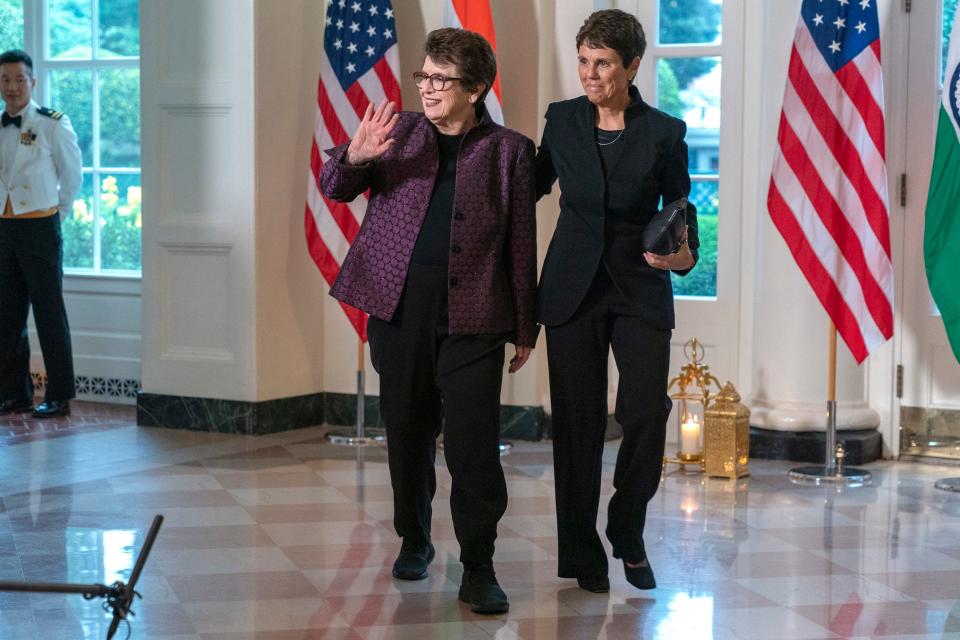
[[285, 537]]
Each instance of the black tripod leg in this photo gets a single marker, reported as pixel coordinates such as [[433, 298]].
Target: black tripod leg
[[122, 607]]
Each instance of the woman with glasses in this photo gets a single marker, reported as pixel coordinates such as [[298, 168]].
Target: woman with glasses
[[615, 158], [445, 264]]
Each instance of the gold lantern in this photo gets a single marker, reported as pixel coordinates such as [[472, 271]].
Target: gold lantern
[[726, 445], [690, 392]]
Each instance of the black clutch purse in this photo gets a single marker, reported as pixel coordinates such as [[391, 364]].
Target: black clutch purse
[[663, 233]]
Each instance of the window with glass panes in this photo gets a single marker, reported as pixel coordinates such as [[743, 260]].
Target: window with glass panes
[[86, 56], [685, 47], [949, 10]]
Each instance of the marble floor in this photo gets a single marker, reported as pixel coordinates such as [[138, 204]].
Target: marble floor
[[285, 537]]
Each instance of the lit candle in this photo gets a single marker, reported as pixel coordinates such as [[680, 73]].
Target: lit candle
[[690, 436]]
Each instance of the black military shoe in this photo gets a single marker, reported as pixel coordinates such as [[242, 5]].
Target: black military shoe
[[413, 560], [641, 577], [481, 590], [594, 584], [15, 406], [52, 409]]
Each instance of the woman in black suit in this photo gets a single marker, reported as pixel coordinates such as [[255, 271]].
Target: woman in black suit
[[615, 158]]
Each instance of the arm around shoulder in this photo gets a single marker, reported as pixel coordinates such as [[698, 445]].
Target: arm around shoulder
[[545, 174], [523, 246]]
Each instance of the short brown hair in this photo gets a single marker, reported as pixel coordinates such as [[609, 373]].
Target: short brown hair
[[614, 29], [469, 52]]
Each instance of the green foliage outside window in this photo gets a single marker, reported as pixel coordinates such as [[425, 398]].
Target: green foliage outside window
[[692, 22], [702, 281], [949, 10], [11, 24], [72, 90], [120, 222]]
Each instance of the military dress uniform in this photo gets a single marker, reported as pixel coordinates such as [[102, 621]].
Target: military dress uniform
[[40, 174]]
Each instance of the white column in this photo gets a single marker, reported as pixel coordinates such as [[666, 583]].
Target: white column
[[198, 223], [790, 353], [233, 305]]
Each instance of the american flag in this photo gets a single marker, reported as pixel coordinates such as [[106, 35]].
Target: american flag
[[828, 189], [475, 15], [360, 64]]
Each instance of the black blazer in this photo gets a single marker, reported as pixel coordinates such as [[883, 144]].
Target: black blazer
[[604, 220]]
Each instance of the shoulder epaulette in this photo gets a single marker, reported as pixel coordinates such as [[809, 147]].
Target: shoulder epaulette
[[50, 113]]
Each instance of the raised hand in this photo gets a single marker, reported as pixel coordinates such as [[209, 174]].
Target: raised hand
[[372, 137]]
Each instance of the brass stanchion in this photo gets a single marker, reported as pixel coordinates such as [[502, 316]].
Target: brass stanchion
[[360, 437], [833, 471]]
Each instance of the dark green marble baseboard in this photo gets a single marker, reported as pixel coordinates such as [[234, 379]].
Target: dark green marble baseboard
[[284, 414], [518, 422], [862, 445], [229, 416]]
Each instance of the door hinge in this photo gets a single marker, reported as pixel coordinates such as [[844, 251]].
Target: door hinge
[[899, 380], [903, 189], [907, 5]]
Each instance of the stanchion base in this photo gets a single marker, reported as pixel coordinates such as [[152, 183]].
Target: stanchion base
[[948, 484], [850, 476], [349, 438]]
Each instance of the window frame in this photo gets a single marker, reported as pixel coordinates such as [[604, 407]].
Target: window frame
[[36, 42], [657, 51]]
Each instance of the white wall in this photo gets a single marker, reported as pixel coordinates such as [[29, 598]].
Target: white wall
[[291, 294], [105, 324]]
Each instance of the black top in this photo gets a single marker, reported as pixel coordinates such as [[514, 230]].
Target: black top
[[433, 243], [608, 142]]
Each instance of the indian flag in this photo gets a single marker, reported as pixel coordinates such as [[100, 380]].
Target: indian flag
[[475, 15], [941, 238]]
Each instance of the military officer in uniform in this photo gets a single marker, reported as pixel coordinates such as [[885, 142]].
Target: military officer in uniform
[[40, 174]]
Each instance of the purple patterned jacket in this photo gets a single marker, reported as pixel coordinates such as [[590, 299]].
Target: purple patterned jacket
[[493, 241]]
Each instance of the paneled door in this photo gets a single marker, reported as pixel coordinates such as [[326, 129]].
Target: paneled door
[[930, 402]]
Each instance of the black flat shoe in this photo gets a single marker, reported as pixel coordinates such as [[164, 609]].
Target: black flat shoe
[[482, 592], [594, 584], [52, 409], [413, 560], [15, 406], [641, 577]]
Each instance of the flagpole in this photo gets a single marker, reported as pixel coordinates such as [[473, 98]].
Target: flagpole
[[361, 436], [361, 387], [833, 471]]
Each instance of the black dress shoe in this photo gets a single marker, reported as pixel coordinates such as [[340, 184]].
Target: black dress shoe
[[481, 590], [641, 577], [52, 409], [413, 560], [594, 584], [15, 406]]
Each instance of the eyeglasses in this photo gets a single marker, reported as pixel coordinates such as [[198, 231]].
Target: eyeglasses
[[438, 82]]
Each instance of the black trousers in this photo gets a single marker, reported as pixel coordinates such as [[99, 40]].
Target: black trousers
[[31, 272], [577, 357], [430, 380]]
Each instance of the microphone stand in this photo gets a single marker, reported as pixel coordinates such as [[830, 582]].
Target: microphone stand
[[119, 596]]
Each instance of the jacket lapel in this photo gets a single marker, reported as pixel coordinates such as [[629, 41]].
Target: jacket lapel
[[632, 135], [585, 120]]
